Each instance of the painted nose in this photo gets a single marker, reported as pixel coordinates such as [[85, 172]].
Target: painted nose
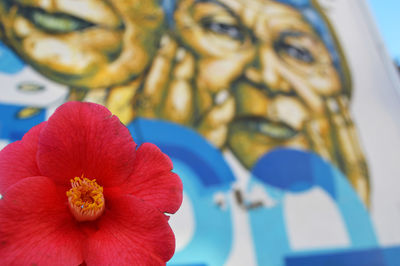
[[265, 70]]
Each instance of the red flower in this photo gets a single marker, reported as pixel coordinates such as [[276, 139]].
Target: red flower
[[75, 190]]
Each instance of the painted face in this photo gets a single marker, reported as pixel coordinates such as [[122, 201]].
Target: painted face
[[274, 64], [83, 43]]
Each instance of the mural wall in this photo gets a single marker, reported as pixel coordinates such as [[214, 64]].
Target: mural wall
[[250, 98]]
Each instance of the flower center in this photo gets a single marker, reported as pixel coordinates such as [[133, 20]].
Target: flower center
[[85, 198]]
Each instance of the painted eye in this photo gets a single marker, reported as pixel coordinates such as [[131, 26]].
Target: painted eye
[[299, 53], [55, 22], [232, 31], [292, 49]]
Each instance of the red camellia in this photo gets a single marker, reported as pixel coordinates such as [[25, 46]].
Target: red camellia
[[75, 190]]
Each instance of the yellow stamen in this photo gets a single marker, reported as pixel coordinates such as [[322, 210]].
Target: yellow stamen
[[86, 199]]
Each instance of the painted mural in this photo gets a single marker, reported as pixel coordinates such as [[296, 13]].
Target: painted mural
[[250, 98]]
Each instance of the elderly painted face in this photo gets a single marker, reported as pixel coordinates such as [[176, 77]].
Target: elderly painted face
[[265, 79], [270, 59], [83, 43]]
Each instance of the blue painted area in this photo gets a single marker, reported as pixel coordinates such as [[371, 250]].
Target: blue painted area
[[296, 3], [13, 128], [207, 173], [188, 145], [269, 235], [10, 63], [392, 256], [294, 170], [190, 264], [273, 169], [169, 8], [204, 172], [360, 257], [308, 170], [212, 240], [355, 215], [372, 257], [287, 170]]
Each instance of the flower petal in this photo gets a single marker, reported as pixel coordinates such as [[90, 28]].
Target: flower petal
[[18, 159], [85, 138], [153, 181], [131, 232], [36, 227]]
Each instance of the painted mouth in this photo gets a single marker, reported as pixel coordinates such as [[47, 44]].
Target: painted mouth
[[265, 127]]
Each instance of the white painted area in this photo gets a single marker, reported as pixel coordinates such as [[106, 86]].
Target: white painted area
[[242, 252], [258, 194], [183, 223], [221, 97], [313, 221], [3, 143], [242, 175], [375, 108], [50, 94]]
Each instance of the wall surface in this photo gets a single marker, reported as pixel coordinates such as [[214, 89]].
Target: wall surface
[[281, 117]]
